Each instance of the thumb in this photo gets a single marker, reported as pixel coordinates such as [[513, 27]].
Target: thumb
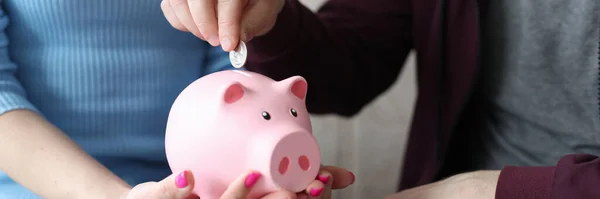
[[259, 17], [242, 186], [176, 186]]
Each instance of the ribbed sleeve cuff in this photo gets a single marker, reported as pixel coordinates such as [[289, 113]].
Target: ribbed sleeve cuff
[[525, 182], [12, 101]]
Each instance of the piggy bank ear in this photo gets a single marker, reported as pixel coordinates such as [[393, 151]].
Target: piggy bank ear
[[297, 86], [232, 93]]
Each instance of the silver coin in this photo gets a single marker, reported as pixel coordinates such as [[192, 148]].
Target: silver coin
[[238, 56]]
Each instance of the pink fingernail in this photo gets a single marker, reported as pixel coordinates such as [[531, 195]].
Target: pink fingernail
[[324, 179], [181, 180], [353, 177], [314, 192], [252, 179]]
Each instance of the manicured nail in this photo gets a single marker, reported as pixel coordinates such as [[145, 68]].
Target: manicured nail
[[181, 180], [213, 40], [324, 179], [226, 43], [252, 179], [314, 192], [352, 175]]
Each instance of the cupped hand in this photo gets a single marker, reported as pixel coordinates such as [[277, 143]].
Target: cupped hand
[[180, 186], [223, 22], [329, 178]]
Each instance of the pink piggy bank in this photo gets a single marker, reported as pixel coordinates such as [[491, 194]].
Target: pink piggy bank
[[230, 122]]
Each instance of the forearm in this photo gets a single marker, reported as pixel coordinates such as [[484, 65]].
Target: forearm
[[43, 159]]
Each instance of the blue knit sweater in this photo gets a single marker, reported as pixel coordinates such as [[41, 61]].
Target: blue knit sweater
[[105, 72]]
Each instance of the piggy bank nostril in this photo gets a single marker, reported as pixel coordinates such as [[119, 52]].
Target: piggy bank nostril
[[284, 164], [304, 163]]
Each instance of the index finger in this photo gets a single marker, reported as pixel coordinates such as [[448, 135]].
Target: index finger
[[229, 13], [203, 13], [182, 11], [241, 187]]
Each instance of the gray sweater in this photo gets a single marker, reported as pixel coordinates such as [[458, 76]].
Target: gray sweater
[[540, 82]]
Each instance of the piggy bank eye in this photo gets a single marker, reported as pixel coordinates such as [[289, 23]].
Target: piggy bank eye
[[293, 112], [266, 115]]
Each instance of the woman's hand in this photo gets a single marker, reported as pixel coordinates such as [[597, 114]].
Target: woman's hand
[[180, 186], [223, 22], [329, 178]]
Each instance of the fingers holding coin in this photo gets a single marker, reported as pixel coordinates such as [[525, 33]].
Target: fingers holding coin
[[191, 16], [215, 21], [229, 15], [204, 14], [181, 11], [222, 22]]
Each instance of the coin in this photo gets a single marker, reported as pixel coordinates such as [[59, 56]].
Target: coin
[[238, 56]]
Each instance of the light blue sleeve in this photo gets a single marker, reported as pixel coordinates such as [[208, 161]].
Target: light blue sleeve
[[217, 60], [12, 94]]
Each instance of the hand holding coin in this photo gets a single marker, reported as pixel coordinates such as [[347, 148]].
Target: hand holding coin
[[223, 22]]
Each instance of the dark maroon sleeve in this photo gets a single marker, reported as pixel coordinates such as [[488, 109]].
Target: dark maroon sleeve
[[575, 176], [350, 52]]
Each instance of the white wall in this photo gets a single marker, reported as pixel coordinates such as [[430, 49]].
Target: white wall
[[371, 144]]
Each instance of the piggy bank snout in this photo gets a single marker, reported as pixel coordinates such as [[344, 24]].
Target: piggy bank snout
[[294, 153], [294, 160]]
